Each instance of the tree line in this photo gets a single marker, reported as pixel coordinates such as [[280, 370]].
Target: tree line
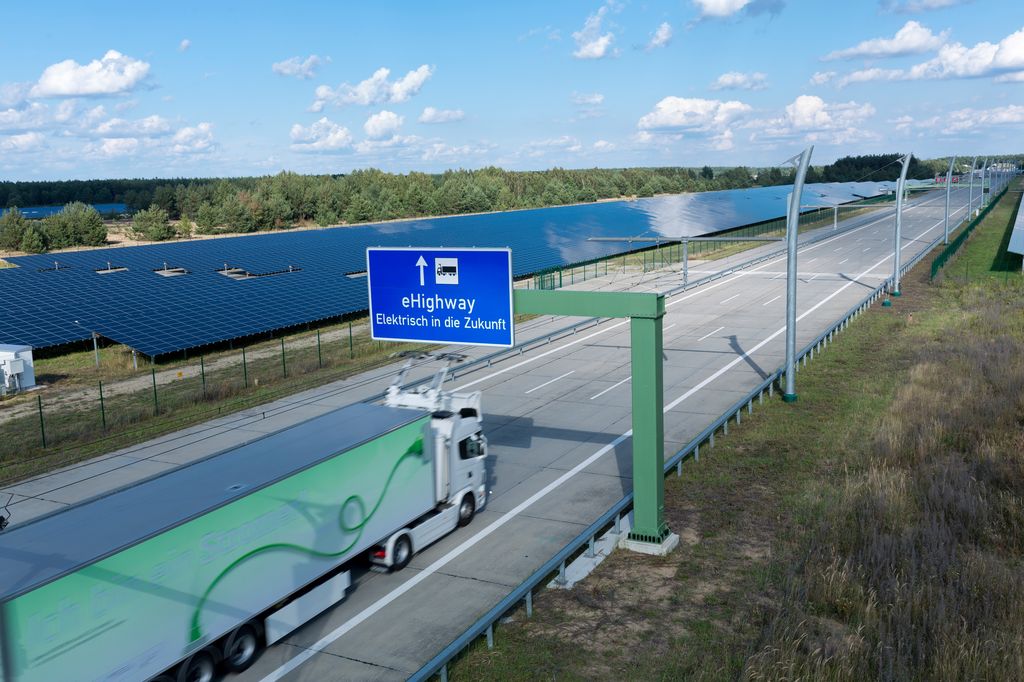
[[165, 209]]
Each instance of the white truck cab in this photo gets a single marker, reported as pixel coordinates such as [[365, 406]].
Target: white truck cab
[[458, 447]]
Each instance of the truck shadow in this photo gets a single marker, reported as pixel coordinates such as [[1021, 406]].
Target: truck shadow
[[522, 433]]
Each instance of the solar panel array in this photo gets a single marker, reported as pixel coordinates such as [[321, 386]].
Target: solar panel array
[[60, 298]]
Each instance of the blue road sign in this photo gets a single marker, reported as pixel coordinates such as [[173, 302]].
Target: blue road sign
[[441, 295]]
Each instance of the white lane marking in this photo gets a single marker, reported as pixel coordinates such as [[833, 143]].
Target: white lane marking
[[741, 358], [866, 250], [843, 261], [669, 327], [729, 299], [812, 259], [369, 611], [813, 276], [534, 358], [781, 274], [839, 249], [610, 388], [773, 300], [710, 333], [537, 388]]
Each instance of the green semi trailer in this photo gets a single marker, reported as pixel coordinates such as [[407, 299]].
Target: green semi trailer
[[189, 574]]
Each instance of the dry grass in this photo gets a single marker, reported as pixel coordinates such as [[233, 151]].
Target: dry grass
[[920, 558]]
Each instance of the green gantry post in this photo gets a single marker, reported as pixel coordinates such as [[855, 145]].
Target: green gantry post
[[646, 311]]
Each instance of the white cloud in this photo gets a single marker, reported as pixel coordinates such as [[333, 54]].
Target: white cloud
[[432, 115], [93, 115], [902, 122], [110, 75], [966, 120], [563, 143], [722, 142], [184, 45], [376, 89], [441, 150], [302, 69], [661, 37], [822, 77], [194, 140], [589, 99], [603, 146], [720, 8], [910, 6], [680, 113], [383, 124], [25, 118], [591, 42], [913, 38], [65, 110], [113, 146], [13, 94], [21, 143], [735, 80], [322, 136], [395, 141], [958, 61], [144, 127], [815, 120], [866, 75], [1004, 60]]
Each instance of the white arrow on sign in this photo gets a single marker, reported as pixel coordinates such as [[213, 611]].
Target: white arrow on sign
[[421, 264]]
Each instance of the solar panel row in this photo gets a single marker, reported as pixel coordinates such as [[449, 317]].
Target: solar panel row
[[60, 298]]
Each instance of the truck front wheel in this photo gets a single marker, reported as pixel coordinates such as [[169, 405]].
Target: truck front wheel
[[467, 508], [401, 553]]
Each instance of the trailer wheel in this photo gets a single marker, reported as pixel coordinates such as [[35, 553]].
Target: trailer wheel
[[242, 648], [401, 553], [199, 668], [467, 508]]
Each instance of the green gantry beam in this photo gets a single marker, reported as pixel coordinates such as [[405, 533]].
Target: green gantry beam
[[645, 312]]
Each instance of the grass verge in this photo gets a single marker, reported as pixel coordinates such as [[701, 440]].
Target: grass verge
[[869, 531]]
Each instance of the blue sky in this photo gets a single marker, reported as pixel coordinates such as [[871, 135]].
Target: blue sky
[[116, 89]]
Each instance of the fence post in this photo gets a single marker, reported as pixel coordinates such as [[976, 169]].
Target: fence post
[[202, 373], [351, 351], [284, 365], [245, 370], [42, 424], [156, 403], [319, 353], [103, 410]]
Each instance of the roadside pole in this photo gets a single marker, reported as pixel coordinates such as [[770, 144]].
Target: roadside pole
[[970, 194], [897, 251], [949, 185], [802, 161]]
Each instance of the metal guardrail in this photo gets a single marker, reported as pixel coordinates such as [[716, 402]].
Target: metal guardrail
[[484, 625]]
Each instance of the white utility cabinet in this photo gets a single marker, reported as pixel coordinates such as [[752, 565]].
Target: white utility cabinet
[[17, 372]]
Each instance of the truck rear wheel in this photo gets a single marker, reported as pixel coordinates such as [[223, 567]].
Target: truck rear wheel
[[467, 509], [199, 668], [401, 553], [242, 648]]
